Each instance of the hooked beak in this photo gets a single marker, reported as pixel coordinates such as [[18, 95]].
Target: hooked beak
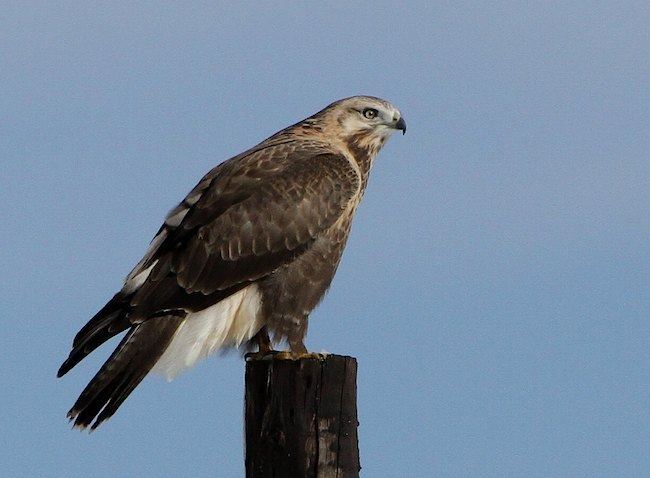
[[401, 124]]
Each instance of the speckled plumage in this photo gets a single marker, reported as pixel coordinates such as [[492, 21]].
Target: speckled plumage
[[275, 218]]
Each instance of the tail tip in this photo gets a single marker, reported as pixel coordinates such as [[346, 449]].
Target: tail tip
[[63, 369]]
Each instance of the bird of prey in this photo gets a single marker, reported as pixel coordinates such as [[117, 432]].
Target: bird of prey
[[243, 259]]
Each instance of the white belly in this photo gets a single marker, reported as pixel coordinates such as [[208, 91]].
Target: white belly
[[226, 324]]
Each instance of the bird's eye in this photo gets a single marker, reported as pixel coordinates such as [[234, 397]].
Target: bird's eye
[[370, 113]]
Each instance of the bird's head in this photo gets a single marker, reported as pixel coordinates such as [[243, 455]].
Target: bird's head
[[367, 115], [362, 121], [366, 122]]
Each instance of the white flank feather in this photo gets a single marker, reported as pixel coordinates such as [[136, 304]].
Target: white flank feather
[[228, 323]]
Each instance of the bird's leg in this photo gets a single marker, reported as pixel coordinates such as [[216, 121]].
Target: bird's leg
[[263, 341], [264, 347], [297, 347]]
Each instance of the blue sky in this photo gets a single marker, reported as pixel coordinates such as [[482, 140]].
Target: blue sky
[[495, 288]]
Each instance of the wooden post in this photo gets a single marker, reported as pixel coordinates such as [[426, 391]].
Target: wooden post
[[301, 417]]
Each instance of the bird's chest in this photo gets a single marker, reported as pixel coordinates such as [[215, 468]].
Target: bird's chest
[[296, 288]]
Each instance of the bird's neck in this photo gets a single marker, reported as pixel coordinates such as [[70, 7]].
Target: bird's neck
[[364, 147]]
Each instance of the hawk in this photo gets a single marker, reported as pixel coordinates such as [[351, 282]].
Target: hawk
[[244, 258]]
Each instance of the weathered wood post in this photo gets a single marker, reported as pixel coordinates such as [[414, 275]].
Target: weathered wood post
[[301, 417]]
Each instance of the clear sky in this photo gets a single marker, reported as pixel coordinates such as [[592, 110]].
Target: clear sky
[[496, 286]]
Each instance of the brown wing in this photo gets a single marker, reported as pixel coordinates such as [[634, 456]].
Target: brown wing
[[253, 217]]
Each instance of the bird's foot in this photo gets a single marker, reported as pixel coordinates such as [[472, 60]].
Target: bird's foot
[[284, 355], [289, 355], [261, 355]]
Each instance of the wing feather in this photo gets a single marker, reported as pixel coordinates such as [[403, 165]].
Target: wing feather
[[274, 224], [255, 214]]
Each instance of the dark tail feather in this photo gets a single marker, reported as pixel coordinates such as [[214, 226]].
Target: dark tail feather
[[108, 322], [133, 358]]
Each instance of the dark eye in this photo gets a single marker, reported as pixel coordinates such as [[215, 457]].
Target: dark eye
[[370, 113]]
